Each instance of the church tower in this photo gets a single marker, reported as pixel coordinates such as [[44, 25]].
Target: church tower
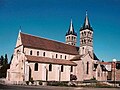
[[71, 35], [86, 37]]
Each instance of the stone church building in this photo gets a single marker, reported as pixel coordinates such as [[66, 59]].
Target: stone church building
[[47, 60]]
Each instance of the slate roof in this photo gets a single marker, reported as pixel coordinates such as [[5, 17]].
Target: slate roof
[[86, 24], [49, 45], [71, 32], [103, 68], [78, 57], [49, 60], [95, 57]]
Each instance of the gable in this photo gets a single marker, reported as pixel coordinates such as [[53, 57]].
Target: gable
[[18, 43], [45, 44]]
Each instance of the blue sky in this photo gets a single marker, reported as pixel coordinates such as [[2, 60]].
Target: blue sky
[[51, 19]]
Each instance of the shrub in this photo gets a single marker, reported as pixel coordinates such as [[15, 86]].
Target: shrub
[[73, 77], [55, 83], [27, 82], [31, 80], [40, 82]]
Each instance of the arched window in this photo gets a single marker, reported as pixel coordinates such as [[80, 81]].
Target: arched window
[[61, 56], [84, 41], [83, 50], [43, 53], [85, 33], [87, 71], [62, 68], [71, 69], [37, 53], [56, 55], [65, 56], [69, 37], [36, 67], [50, 67], [88, 40], [72, 37], [82, 33], [31, 52]]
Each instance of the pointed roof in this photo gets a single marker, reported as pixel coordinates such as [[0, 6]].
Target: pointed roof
[[86, 24], [20, 29], [71, 30]]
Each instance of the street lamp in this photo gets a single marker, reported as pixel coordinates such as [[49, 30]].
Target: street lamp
[[114, 66]]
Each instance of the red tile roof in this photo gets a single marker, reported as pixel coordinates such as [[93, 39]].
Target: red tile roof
[[49, 60], [49, 45], [105, 63]]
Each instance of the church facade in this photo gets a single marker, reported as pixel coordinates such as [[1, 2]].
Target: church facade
[[38, 58]]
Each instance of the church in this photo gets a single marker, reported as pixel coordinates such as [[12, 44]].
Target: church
[[42, 59]]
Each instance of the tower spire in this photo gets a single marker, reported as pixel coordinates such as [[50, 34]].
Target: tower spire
[[71, 29], [20, 29], [86, 12], [86, 24], [86, 37], [71, 36], [86, 20], [71, 26]]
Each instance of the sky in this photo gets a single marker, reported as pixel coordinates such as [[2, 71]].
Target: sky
[[51, 19]]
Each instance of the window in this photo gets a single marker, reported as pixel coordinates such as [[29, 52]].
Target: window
[[36, 67], [84, 41], [98, 74], [85, 33], [82, 33], [83, 48], [65, 56], [62, 68], [87, 71], [37, 53], [31, 52], [43, 53], [72, 37], [56, 55], [67, 38], [50, 67], [71, 70], [88, 40], [61, 56]]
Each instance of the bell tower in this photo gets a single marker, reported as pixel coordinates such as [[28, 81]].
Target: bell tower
[[71, 35], [86, 37]]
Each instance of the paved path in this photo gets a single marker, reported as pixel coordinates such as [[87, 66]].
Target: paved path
[[18, 87]]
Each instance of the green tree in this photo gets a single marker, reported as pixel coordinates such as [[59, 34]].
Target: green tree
[[2, 60], [6, 59]]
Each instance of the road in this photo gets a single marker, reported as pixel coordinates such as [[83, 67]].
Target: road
[[18, 87]]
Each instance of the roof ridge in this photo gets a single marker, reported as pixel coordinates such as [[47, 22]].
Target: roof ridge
[[47, 39]]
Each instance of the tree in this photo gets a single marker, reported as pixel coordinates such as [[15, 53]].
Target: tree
[[6, 59], [73, 77], [2, 60], [5, 66]]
